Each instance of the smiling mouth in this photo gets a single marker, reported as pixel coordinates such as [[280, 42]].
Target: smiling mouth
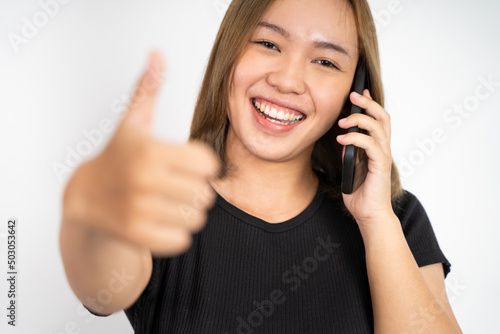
[[276, 115]]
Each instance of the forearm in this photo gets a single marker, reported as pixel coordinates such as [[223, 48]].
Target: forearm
[[104, 274], [107, 274], [402, 302]]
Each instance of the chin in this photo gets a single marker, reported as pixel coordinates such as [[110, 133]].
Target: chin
[[275, 152]]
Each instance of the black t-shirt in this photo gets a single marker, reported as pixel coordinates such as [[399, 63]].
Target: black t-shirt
[[244, 275]]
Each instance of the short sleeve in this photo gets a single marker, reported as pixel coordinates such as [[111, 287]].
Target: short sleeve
[[418, 232]]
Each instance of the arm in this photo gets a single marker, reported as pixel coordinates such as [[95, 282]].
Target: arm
[[405, 299], [107, 274], [138, 197], [433, 277]]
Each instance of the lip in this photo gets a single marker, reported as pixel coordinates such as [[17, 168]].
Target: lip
[[269, 126]]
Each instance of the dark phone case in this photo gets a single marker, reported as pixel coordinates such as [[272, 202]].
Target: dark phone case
[[351, 151]]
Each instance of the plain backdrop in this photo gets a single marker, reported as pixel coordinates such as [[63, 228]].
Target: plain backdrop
[[75, 70]]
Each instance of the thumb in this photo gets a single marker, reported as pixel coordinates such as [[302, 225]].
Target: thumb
[[140, 111]]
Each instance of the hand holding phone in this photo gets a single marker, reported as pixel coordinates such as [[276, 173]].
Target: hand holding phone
[[351, 151]]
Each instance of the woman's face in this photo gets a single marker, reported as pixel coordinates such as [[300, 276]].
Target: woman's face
[[292, 78]]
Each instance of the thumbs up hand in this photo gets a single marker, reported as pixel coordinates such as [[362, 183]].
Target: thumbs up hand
[[148, 192]]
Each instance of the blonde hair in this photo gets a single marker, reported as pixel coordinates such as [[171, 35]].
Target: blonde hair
[[210, 122]]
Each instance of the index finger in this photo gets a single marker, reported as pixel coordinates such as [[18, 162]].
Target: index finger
[[372, 108]]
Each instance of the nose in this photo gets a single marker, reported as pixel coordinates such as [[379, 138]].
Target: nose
[[288, 75]]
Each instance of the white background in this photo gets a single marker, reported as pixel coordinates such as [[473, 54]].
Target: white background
[[76, 69]]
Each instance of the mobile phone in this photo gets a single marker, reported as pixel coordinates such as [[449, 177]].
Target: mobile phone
[[351, 151]]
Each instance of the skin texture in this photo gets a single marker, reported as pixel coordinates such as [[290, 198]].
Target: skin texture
[[142, 196]]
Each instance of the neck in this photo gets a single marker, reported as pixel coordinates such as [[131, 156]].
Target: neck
[[274, 191]]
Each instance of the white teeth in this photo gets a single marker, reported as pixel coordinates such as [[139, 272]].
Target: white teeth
[[261, 108], [272, 112], [278, 122]]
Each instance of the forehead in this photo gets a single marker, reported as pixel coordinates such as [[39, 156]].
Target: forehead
[[308, 20]]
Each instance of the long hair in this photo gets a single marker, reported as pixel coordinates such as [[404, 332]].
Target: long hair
[[210, 122]]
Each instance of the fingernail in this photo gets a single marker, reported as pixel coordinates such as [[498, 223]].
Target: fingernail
[[340, 137]]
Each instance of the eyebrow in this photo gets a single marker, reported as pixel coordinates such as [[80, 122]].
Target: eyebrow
[[317, 44], [274, 27], [331, 46]]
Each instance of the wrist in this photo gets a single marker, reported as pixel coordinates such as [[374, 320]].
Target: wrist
[[376, 218], [381, 229]]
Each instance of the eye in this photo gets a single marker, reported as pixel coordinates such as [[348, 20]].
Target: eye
[[327, 63], [267, 45]]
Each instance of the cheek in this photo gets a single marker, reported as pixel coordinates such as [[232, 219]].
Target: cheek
[[236, 89], [245, 77], [329, 106], [245, 74]]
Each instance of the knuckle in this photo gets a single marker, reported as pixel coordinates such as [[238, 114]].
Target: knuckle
[[378, 129], [204, 196], [355, 136], [355, 117], [386, 117], [211, 196], [192, 218], [206, 156], [177, 242], [182, 242], [352, 120], [198, 220]]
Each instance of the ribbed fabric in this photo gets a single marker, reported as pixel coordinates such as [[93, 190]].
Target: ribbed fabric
[[244, 275]]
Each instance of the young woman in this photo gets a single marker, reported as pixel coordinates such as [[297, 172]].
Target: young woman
[[244, 229]]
